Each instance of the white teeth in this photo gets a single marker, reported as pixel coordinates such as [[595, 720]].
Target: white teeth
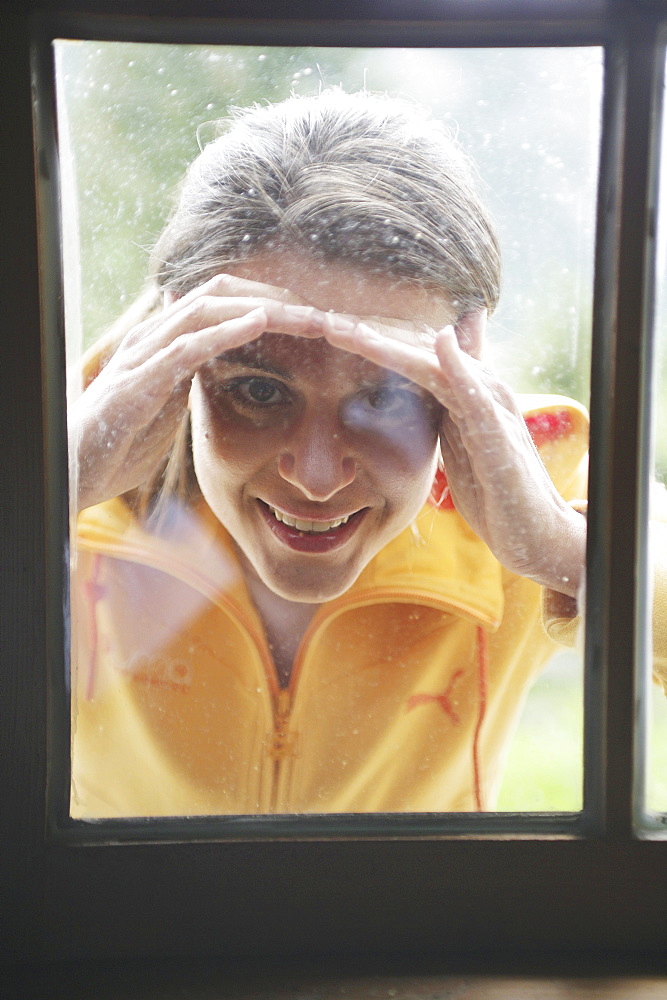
[[316, 526]]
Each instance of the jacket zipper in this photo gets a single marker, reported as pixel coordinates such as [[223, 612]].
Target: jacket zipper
[[282, 742]]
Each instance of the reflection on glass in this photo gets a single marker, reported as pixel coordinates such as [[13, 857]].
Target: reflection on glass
[[322, 549], [656, 771]]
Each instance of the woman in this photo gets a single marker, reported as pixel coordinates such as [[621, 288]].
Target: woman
[[315, 528]]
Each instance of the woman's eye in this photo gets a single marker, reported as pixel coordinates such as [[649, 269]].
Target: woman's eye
[[383, 399], [391, 402], [256, 391], [381, 407]]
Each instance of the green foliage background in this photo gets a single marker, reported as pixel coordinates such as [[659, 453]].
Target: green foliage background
[[133, 112], [131, 115]]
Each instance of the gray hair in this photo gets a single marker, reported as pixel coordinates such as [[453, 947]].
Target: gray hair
[[369, 182]]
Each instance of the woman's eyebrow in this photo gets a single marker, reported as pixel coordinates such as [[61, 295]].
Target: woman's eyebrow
[[248, 358]]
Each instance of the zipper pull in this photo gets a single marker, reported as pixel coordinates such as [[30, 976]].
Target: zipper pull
[[281, 742]]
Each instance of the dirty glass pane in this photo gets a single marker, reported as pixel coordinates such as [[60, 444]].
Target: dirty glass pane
[[311, 553], [656, 771]]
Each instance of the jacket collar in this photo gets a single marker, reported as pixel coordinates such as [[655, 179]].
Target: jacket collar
[[439, 561]]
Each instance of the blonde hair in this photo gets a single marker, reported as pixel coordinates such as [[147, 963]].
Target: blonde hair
[[367, 181], [370, 182]]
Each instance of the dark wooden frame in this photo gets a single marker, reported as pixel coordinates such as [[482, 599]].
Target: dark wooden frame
[[593, 885]]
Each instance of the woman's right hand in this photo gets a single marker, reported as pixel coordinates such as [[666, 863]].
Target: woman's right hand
[[124, 422]]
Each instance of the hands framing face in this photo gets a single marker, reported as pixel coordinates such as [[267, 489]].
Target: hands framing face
[[125, 421], [497, 479]]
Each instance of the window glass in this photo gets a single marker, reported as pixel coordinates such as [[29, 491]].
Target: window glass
[[656, 791], [301, 619]]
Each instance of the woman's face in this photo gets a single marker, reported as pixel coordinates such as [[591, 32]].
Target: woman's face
[[313, 458]]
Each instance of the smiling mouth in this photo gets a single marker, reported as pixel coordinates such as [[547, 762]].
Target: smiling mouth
[[312, 527], [307, 536]]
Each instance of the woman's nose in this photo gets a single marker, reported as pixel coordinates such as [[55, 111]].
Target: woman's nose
[[316, 459]]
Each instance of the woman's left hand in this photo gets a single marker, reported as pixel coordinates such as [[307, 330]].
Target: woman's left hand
[[496, 476]]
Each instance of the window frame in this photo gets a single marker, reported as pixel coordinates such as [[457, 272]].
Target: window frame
[[589, 883]]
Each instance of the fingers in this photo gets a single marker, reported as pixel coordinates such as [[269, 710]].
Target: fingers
[[471, 391], [232, 286], [161, 355], [151, 372], [226, 297], [179, 359], [125, 420], [498, 481], [481, 421], [404, 350], [471, 332], [434, 361], [132, 395], [206, 312]]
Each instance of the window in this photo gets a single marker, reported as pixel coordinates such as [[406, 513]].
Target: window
[[595, 886], [130, 115], [656, 797]]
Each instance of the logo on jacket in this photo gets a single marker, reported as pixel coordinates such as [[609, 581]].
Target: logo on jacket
[[444, 700], [163, 672]]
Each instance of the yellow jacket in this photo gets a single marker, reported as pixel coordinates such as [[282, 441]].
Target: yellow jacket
[[404, 692]]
